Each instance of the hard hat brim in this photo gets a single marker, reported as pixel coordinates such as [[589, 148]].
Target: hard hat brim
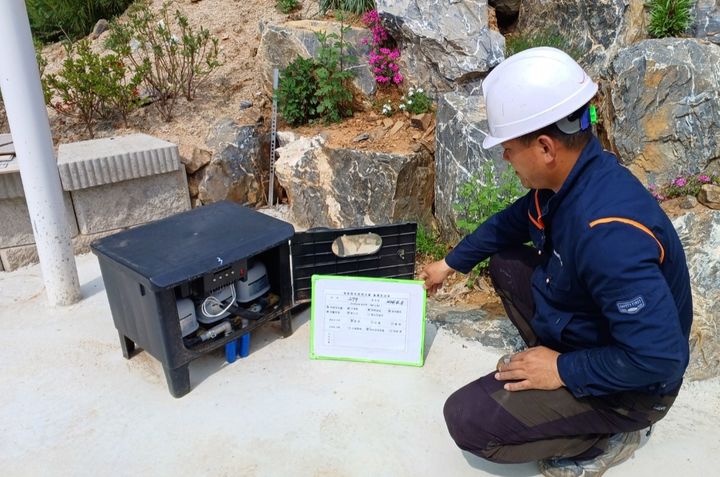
[[491, 141]]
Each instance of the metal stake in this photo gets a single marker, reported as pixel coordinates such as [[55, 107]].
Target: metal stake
[[273, 136]]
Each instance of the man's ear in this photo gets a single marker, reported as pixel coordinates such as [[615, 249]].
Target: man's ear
[[548, 147]]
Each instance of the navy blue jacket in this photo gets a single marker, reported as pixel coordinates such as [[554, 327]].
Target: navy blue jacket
[[613, 295]]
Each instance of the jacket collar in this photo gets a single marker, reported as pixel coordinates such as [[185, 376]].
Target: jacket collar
[[590, 152]]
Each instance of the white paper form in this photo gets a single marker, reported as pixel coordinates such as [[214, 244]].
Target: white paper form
[[368, 319]]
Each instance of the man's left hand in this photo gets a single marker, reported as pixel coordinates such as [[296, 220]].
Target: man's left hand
[[534, 368]]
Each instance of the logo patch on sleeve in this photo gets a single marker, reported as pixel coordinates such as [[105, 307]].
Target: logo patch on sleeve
[[630, 307]]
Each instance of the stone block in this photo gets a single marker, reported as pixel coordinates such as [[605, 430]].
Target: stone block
[[11, 186], [15, 257], [12, 258], [98, 162], [81, 243], [16, 226], [132, 202], [10, 183]]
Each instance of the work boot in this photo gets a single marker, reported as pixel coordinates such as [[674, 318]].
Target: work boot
[[620, 448]]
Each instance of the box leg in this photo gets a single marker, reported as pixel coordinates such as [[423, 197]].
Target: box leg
[[178, 380], [127, 345], [286, 324]]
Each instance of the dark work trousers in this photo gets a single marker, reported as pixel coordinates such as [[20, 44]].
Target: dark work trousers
[[522, 426]]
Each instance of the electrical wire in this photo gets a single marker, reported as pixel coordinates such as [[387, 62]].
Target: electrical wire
[[214, 300]]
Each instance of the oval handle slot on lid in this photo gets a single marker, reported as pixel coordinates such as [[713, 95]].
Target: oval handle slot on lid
[[356, 245]]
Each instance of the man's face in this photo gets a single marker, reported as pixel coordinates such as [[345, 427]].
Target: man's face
[[526, 161]]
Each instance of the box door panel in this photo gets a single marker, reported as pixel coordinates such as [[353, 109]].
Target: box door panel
[[312, 253]]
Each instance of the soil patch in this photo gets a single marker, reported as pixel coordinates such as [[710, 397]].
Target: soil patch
[[238, 30]]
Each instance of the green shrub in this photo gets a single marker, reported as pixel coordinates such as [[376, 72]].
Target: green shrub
[[286, 6], [352, 6], [416, 101], [485, 195], [317, 88], [669, 17], [54, 19], [172, 58], [90, 86], [517, 43], [334, 97], [428, 244], [296, 92]]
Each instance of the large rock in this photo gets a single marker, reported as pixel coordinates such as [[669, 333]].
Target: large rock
[[461, 122], [350, 188], [477, 324], [234, 170], [706, 24], [596, 30], [700, 234], [446, 42], [281, 44], [665, 107]]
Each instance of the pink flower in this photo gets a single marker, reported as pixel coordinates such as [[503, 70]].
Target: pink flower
[[680, 182], [704, 179], [397, 79]]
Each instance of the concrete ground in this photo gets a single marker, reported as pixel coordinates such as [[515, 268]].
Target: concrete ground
[[70, 404]]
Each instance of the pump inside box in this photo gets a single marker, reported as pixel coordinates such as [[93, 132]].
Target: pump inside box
[[191, 283]]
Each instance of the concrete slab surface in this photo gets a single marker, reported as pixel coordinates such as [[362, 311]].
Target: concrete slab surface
[[72, 405]]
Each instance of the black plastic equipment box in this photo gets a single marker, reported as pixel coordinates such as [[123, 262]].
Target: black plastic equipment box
[[147, 269]]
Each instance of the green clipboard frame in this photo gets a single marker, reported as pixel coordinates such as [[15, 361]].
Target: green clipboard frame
[[313, 317]]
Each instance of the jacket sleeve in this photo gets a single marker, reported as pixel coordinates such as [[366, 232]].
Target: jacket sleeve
[[506, 228], [620, 266]]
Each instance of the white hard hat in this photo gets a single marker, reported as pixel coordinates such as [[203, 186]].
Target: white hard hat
[[533, 89]]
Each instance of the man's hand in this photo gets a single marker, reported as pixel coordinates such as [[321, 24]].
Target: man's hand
[[534, 368], [434, 275]]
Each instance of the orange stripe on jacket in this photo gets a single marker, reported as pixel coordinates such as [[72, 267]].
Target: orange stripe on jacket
[[539, 212], [638, 225], [535, 222]]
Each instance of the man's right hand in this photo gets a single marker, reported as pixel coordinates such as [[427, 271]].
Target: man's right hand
[[434, 275]]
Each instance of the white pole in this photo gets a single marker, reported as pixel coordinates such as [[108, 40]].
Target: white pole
[[30, 128]]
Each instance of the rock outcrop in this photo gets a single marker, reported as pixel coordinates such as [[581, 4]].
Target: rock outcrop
[[281, 44], [460, 130], [349, 188], [700, 234], [446, 44], [595, 30], [706, 24], [233, 171], [663, 116]]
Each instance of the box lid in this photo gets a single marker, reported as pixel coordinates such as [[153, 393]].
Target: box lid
[[185, 246]]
